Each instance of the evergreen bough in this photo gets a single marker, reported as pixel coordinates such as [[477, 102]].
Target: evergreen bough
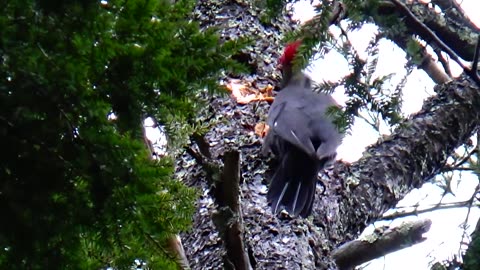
[[79, 190]]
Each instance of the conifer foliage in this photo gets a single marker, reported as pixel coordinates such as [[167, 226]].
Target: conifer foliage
[[78, 189]]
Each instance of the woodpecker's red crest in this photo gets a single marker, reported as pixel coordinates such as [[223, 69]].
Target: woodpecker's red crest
[[289, 53]]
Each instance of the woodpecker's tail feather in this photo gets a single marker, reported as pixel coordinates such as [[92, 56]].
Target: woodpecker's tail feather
[[293, 185]]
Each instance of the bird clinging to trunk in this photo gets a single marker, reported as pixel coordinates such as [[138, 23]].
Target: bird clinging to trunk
[[301, 136]]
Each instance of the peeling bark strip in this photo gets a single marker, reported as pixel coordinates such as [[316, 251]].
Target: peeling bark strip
[[380, 244], [415, 153]]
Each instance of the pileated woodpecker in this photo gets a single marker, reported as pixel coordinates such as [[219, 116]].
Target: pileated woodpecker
[[301, 136]]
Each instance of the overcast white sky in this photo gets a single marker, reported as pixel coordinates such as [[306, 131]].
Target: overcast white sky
[[445, 234]]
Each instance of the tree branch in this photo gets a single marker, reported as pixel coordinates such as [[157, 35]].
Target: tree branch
[[228, 218], [439, 206], [444, 61], [380, 243], [224, 182], [429, 65]]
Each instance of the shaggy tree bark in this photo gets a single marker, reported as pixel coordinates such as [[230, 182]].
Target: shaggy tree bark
[[355, 196]]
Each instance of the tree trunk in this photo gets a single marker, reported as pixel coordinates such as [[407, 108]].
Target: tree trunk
[[356, 195]]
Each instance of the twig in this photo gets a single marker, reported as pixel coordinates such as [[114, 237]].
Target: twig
[[453, 168], [466, 158], [456, 166], [477, 188], [435, 207], [338, 13]]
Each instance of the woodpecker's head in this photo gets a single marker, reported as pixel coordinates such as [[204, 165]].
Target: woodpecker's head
[[285, 63]]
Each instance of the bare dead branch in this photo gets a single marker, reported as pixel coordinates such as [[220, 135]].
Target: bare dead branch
[[224, 181], [228, 218], [380, 244], [338, 13], [459, 162], [430, 66], [148, 143], [174, 242], [459, 38]]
